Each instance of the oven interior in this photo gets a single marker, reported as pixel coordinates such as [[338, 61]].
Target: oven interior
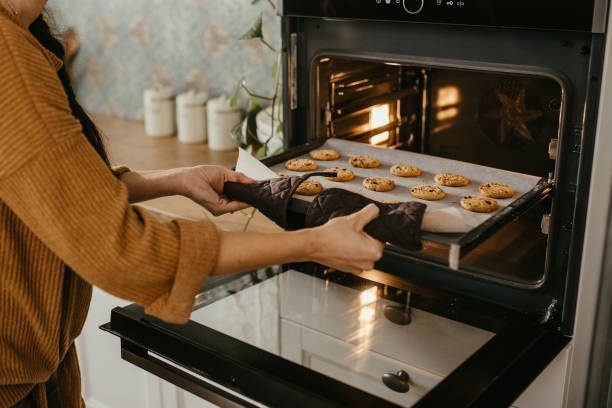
[[504, 120]]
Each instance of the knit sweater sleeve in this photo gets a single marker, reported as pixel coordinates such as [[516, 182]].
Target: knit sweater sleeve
[[55, 182]]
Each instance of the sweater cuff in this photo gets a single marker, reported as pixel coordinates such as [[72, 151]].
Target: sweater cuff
[[193, 268], [119, 171]]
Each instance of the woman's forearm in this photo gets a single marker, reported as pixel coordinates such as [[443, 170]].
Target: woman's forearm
[[244, 251], [340, 244], [150, 184]]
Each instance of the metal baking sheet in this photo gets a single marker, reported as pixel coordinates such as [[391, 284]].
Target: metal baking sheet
[[444, 216]]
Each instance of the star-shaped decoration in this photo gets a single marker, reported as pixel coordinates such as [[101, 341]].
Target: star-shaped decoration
[[514, 116]]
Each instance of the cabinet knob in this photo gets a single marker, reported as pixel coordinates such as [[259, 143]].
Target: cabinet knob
[[398, 382]]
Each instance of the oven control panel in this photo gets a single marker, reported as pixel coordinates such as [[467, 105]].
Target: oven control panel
[[577, 15]]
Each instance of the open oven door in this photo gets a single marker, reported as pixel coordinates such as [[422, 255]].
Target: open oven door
[[326, 340]]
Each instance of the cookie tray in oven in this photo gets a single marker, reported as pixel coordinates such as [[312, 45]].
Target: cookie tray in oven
[[445, 223]]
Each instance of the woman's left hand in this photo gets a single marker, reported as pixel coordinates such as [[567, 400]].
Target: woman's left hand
[[204, 185]]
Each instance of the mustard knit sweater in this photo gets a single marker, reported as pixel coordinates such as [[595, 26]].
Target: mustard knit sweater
[[66, 224]]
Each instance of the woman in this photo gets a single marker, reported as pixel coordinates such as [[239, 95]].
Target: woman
[[66, 223]]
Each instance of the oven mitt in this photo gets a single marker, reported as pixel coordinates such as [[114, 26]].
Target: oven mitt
[[270, 197], [398, 224]]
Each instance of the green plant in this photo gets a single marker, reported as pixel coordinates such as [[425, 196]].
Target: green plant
[[243, 132]]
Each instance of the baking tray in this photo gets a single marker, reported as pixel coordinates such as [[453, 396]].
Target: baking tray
[[445, 222]]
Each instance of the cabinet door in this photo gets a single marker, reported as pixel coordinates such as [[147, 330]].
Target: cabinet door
[[548, 389]]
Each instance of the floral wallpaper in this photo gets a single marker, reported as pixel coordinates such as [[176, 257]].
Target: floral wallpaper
[[130, 45]]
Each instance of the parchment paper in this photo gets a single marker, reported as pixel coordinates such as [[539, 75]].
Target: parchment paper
[[444, 216]]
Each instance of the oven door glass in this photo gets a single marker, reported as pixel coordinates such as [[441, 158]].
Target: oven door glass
[[294, 338]]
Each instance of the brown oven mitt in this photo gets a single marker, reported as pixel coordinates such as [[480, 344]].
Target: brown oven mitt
[[398, 224], [271, 197]]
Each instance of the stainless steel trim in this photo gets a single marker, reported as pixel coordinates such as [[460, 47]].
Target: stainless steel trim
[[600, 13], [592, 269]]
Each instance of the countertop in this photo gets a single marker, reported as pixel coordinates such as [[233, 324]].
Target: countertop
[[127, 144]]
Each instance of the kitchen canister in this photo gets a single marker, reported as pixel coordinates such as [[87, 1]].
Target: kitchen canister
[[264, 128], [159, 112], [221, 118], [191, 117]]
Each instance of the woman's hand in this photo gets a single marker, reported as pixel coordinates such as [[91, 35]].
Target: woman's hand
[[204, 185], [342, 244]]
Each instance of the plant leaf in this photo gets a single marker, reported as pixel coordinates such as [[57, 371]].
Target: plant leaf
[[254, 104], [262, 151], [239, 132], [279, 128], [234, 100], [275, 68], [255, 31], [255, 2]]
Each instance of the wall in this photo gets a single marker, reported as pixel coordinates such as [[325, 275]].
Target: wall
[[128, 46]]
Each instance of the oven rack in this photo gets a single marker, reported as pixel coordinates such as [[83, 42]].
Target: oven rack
[[459, 244]]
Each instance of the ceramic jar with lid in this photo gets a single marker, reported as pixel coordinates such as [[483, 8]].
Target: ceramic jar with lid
[[221, 119], [191, 117], [159, 112]]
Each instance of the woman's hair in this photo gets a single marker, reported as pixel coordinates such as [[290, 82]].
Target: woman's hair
[[41, 30]]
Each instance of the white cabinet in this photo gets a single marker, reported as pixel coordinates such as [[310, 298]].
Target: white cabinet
[[548, 390], [338, 359]]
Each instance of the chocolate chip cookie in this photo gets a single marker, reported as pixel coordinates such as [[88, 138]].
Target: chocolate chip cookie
[[341, 174], [324, 154], [451, 180], [301, 165], [364, 162], [497, 190], [428, 192], [378, 184], [479, 204], [404, 170], [309, 188]]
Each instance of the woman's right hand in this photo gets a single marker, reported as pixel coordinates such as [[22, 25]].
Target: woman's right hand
[[342, 243]]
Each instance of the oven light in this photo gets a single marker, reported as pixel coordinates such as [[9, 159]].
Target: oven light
[[379, 138], [379, 116], [446, 114], [369, 296], [448, 96]]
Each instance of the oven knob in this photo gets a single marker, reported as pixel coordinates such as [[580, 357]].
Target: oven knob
[[413, 6]]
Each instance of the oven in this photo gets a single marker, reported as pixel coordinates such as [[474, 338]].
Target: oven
[[498, 89]]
